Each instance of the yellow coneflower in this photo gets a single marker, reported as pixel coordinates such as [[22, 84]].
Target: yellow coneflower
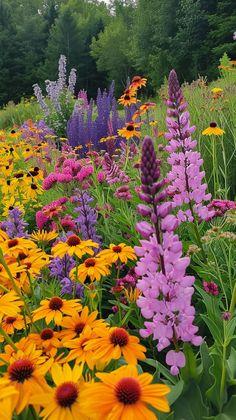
[[75, 325], [8, 399], [115, 342], [94, 268], [10, 304], [10, 204], [129, 130], [121, 252], [53, 309], [47, 340], [12, 323], [78, 350], [124, 394], [213, 130], [138, 82], [62, 401], [127, 100], [14, 246], [74, 246], [44, 236], [26, 374]]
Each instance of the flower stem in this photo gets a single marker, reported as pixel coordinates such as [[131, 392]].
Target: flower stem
[[7, 338]]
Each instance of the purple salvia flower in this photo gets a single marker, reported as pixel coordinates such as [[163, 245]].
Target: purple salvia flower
[[83, 128], [62, 72], [72, 81], [67, 287], [87, 218], [40, 99], [61, 267], [15, 225], [185, 178], [166, 289]]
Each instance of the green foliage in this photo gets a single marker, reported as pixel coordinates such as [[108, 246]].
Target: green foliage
[[14, 115]]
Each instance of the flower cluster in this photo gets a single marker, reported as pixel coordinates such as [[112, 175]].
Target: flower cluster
[[167, 290], [185, 178]]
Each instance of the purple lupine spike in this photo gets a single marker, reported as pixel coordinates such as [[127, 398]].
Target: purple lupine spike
[[61, 267], [67, 287], [83, 128], [185, 178], [166, 288], [15, 226], [87, 216]]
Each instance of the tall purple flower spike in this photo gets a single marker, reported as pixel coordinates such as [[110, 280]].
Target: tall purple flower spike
[[186, 185], [166, 289]]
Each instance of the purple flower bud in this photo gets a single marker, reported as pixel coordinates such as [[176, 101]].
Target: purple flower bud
[[175, 359], [145, 229], [144, 210]]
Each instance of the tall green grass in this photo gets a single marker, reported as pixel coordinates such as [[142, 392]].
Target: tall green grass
[[219, 153], [15, 114]]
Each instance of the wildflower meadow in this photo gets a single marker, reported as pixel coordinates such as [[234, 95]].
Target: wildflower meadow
[[118, 249]]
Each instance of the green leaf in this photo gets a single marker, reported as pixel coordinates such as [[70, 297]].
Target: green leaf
[[175, 392], [228, 413], [206, 362], [189, 405], [190, 370], [230, 329], [231, 364], [214, 329], [162, 369], [215, 370]]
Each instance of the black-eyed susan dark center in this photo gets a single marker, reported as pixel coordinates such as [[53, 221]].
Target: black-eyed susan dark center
[[73, 240], [55, 303], [117, 249], [79, 327], [66, 394], [119, 337], [21, 370], [46, 334], [90, 262], [128, 391]]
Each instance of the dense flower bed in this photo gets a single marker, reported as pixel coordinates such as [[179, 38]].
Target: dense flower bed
[[117, 271]]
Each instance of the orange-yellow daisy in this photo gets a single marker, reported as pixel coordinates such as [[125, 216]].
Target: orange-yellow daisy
[[124, 394], [129, 130], [138, 82], [94, 268], [75, 325], [127, 99], [8, 399], [62, 401], [12, 323], [26, 373], [44, 236], [78, 351], [16, 245], [47, 340], [213, 130], [114, 343], [74, 246], [54, 308], [10, 304], [121, 252]]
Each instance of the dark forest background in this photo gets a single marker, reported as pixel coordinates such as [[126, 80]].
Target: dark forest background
[[146, 37]]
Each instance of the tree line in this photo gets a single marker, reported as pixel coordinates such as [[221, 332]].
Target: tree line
[[116, 41]]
